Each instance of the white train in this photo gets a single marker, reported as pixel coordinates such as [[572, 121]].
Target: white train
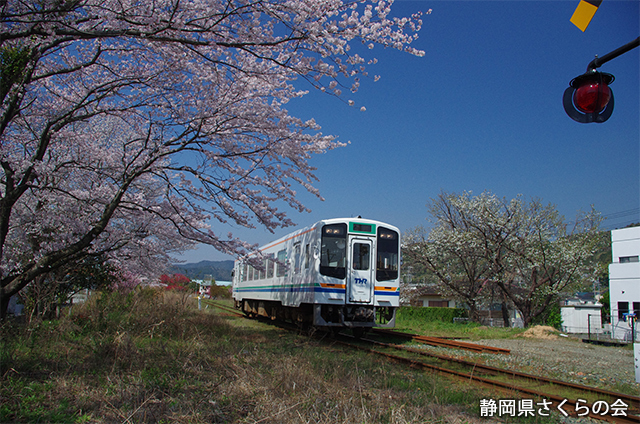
[[334, 273]]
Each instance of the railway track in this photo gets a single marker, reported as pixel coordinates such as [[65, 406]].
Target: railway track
[[228, 309], [574, 399], [568, 398], [438, 341]]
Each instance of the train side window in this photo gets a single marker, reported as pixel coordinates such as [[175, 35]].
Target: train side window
[[281, 265], [306, 256], [297, 259], [270, 266]]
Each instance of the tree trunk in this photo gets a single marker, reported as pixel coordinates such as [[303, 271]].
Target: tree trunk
[[505, 314], [4, 304], [473, 312]]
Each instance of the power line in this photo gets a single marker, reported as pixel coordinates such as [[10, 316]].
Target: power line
[[622, 214], [621, 219]]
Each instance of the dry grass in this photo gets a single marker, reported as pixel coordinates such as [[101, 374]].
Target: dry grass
[[148, 357]]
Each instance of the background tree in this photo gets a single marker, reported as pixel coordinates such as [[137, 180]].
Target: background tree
[[465, 229], [177, 282], [546, 259], [525, 249], [43, 296], [453, 258], [127, 127], [603, 258], [223, 292]]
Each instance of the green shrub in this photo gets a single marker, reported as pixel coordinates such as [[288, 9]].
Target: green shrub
[[552, 316], [406, 313]]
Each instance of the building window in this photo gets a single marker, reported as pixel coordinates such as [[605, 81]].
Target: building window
[[629, 259], [623, 308], [439, 303]]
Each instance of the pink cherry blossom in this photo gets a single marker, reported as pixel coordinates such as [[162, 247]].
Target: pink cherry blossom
[[133, 129]]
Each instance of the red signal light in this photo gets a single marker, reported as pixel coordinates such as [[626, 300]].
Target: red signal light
[[592, 97], [589, 98]]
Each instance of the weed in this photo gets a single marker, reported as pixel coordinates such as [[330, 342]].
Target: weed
[[471, 330], [149, 357]]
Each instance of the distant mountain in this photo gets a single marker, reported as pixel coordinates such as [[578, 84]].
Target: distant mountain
[[220, 270]]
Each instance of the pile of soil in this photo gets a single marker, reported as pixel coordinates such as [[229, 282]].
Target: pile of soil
[[540, 332]]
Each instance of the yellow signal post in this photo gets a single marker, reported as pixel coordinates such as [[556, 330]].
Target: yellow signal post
[[584, 13]]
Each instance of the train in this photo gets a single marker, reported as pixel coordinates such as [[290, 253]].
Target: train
[[336, 273]]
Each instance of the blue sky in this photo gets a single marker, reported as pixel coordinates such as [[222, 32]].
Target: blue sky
[[482, 110]]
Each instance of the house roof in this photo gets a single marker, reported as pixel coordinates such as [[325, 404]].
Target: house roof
[[427, 291], [583, 297]]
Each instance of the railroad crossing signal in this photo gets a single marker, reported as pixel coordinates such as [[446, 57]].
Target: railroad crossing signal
[[584, 13], [589, 98]]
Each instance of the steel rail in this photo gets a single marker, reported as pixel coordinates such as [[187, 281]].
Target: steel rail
[[567, 404], [437, 341], [226, 308], [630, 399]]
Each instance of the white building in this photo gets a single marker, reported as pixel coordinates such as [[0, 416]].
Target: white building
[[624, 282], [581, 317]]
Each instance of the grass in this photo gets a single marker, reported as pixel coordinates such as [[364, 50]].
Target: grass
[[470, 330], [151, 357]]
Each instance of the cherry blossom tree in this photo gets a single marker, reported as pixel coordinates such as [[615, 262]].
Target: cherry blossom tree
[[128, 128], [522, 249], [451, 256], [545, 258]]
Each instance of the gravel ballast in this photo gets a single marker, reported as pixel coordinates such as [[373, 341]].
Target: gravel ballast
[[569, 359], [548, 354]]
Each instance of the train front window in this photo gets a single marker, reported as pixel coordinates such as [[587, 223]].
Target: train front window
[[388, 255], [333, 250]]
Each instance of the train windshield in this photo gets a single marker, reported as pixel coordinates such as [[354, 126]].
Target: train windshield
[[333, 252], [388, 255]]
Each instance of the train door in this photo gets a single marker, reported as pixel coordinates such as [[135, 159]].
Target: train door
[[360, 276]]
